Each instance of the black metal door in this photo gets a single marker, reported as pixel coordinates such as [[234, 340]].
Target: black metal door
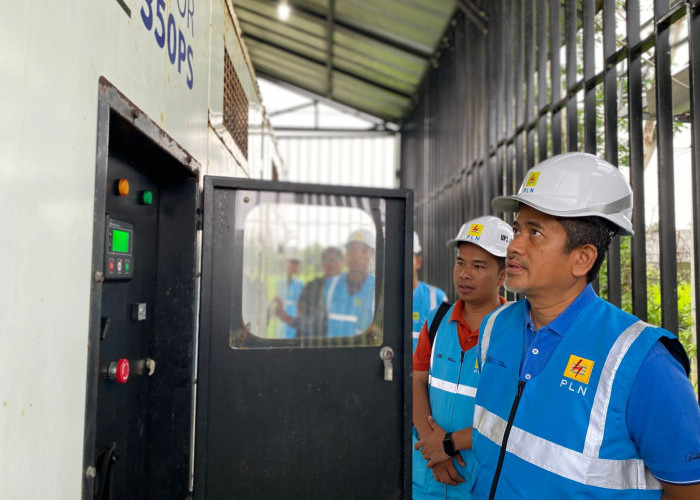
[[283, 415]]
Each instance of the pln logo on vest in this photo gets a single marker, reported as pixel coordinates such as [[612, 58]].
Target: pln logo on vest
[[578, 370], [475, 232], [529, 186]]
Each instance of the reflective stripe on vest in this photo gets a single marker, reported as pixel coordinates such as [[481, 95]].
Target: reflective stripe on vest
[[583, 467], [451, 387], [331, 289], [350, 318], [485, 337]]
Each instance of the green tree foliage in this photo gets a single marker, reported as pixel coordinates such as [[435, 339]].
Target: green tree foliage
[[685, 318]]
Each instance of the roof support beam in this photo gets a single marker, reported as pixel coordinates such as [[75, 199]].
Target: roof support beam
[[330, 19], [291, 109], [333, 68], [392, 42], [477, 15], [333, 104]]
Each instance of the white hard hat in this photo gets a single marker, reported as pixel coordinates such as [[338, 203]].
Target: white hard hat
[[416, 243], [575, 185], [361, 236], [294, 254], [489, 232]]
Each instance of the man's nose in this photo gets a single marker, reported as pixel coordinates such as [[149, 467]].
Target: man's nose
[[515, 245], [465, 272]]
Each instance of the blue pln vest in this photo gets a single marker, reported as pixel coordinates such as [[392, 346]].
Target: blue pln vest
[[291, 298], [567, 436], [452, 382], [348, 315], [425, 299]]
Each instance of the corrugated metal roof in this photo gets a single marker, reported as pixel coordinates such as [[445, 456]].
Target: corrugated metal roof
[[369, 55]]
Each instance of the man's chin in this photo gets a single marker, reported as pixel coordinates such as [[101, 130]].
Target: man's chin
[[513, 286]]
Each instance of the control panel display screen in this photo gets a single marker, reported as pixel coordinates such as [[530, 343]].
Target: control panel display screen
[[119, 249], [120, 241]]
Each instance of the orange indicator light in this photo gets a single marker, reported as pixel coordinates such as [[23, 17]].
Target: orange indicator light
[[123, 187]]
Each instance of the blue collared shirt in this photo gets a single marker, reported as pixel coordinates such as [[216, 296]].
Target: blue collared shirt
[[540, 344]]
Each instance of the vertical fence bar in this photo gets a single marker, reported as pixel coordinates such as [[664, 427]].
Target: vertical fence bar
[[636, 159], [589, 87], [541, 79], [667, 212], [529, 84], [570, 21], [519, 107], [510, 62], [496, 61], [611, 140], [693, 41], [555, 70]]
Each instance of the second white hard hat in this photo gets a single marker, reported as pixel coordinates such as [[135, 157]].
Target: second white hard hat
[[416, 243], [575, 185], [294, 254], [489, 232]]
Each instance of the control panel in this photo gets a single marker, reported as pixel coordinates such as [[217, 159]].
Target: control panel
[[119, 249]]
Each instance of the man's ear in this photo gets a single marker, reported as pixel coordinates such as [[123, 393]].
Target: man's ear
[[584, 258]]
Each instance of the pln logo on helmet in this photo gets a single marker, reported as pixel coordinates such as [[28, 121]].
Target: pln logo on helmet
[[529, 186], [475, 231]]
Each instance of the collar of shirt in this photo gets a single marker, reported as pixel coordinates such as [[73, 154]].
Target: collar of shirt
[[563, 322], [539, 345], [468, 337]]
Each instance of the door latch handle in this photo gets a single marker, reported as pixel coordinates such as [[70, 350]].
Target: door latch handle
[[387, 355]]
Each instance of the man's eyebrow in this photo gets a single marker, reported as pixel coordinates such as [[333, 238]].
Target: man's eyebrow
[[535, 224]]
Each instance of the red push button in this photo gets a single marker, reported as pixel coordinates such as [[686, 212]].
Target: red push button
[[119, 371]]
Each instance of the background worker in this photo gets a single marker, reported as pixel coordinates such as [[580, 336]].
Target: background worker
[[425, 297], [288, 292], [311, 318], [577, 398], [350, 295], [444, 371]]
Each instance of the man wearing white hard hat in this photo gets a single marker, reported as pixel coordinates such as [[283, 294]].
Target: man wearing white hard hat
[[444, 364], [425, 297], [577, 398], [350, 295]]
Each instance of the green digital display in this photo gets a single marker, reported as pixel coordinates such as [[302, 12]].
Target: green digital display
[[120, 241]]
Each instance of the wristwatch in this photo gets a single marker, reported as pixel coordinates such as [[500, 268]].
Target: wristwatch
[[449, 445]]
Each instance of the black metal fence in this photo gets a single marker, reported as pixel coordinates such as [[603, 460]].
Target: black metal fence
[[519, 81]]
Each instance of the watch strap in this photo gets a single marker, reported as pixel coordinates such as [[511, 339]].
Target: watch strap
[[448, 445]]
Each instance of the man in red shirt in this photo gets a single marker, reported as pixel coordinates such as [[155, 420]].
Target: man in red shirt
[[444, 369]]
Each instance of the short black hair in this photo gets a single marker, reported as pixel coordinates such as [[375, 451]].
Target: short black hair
[[593, 230], [332, 251]]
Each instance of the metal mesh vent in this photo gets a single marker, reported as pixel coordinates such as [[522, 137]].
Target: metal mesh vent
[[235, 107]]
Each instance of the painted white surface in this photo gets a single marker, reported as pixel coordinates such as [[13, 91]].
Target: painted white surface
[[53, 54]]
